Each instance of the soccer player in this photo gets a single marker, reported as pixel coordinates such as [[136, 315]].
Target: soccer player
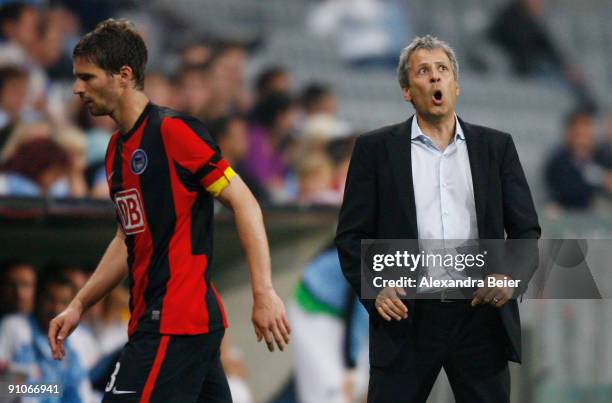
[[163, 171]]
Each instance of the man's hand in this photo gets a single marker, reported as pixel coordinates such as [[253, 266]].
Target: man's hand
[[496, 296], [270, 319], [389, 305], [61, 327]]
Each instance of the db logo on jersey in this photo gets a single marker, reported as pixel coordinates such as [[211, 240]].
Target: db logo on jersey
[[131, 211]]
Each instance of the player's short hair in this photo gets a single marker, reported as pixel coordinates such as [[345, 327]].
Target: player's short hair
[[112, 45], [428, 42]]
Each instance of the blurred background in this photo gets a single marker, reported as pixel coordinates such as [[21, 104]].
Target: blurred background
[[284, 87]]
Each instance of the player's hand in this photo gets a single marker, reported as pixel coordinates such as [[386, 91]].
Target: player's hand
[[389, 305], [496, 296], [270, 319], [60, 328]]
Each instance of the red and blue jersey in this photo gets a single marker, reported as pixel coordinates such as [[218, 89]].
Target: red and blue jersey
[[163, 175]]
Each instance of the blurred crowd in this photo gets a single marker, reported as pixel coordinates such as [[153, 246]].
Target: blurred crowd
[[30, 297], [287, 143]]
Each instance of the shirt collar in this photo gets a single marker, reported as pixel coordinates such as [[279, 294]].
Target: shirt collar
[[417, 133]]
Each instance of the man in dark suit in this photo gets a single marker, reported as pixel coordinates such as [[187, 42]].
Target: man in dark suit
[[436, 177]]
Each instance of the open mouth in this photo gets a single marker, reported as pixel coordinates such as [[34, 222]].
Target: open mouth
[[437, 97]]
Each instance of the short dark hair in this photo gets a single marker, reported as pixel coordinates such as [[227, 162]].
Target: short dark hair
[[313, 94], [269, 108], [265, 78], [218, 128], [112, 45]]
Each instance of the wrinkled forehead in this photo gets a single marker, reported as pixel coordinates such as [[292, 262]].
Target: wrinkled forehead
[[428, 56]]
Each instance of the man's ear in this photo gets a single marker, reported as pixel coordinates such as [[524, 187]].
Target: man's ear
[[126, 74], [458, 90], [407, 95]]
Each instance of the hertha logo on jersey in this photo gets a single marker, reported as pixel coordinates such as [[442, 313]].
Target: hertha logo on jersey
[[130, 209]]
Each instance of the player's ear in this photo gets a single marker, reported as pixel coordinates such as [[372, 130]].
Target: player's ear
[[458, 90], [406, 93], [126, 74]]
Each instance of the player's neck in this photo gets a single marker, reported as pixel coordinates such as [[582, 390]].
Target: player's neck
[[131, 106]]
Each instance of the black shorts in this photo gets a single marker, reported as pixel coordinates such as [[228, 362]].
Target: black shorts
[[169, 368]]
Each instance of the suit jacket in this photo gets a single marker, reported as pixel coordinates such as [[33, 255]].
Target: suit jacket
[[379, 203]]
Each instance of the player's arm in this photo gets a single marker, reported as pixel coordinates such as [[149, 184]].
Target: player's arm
[[269, 316], [111, 270]]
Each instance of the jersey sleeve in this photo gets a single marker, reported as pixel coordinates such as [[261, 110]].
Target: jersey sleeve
[[189, 145]]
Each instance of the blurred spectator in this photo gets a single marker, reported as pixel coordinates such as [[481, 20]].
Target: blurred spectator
[[24, 349], [82, 340], [519, 30], [161, 90], [236, 371], [195, 90], [35, 169], [231, 135], [22, 134], [604, 150], [17, 287], [73, 141], [319, 129], [199, 52], [340, 151], [329, 334], [227, 67], [573, 174], [48, 48], [13, 90], [317, 99], [19, 29], [270, 80], [271, 142], [60, 28], [315, 174], [19, 24], [369, 33]]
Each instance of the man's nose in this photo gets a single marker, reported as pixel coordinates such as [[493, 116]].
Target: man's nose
[[435, 77], [77, 88]]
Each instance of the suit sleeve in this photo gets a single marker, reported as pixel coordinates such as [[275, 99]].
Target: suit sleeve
[[358, 213], [192, 149], [520, 219]]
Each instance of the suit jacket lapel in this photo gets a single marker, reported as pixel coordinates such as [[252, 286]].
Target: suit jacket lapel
[[399, 151], [479, 161]]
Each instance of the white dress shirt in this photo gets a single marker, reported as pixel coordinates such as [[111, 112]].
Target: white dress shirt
[[444, 195]]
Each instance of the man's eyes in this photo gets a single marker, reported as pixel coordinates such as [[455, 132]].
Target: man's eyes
[[424, 70]]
